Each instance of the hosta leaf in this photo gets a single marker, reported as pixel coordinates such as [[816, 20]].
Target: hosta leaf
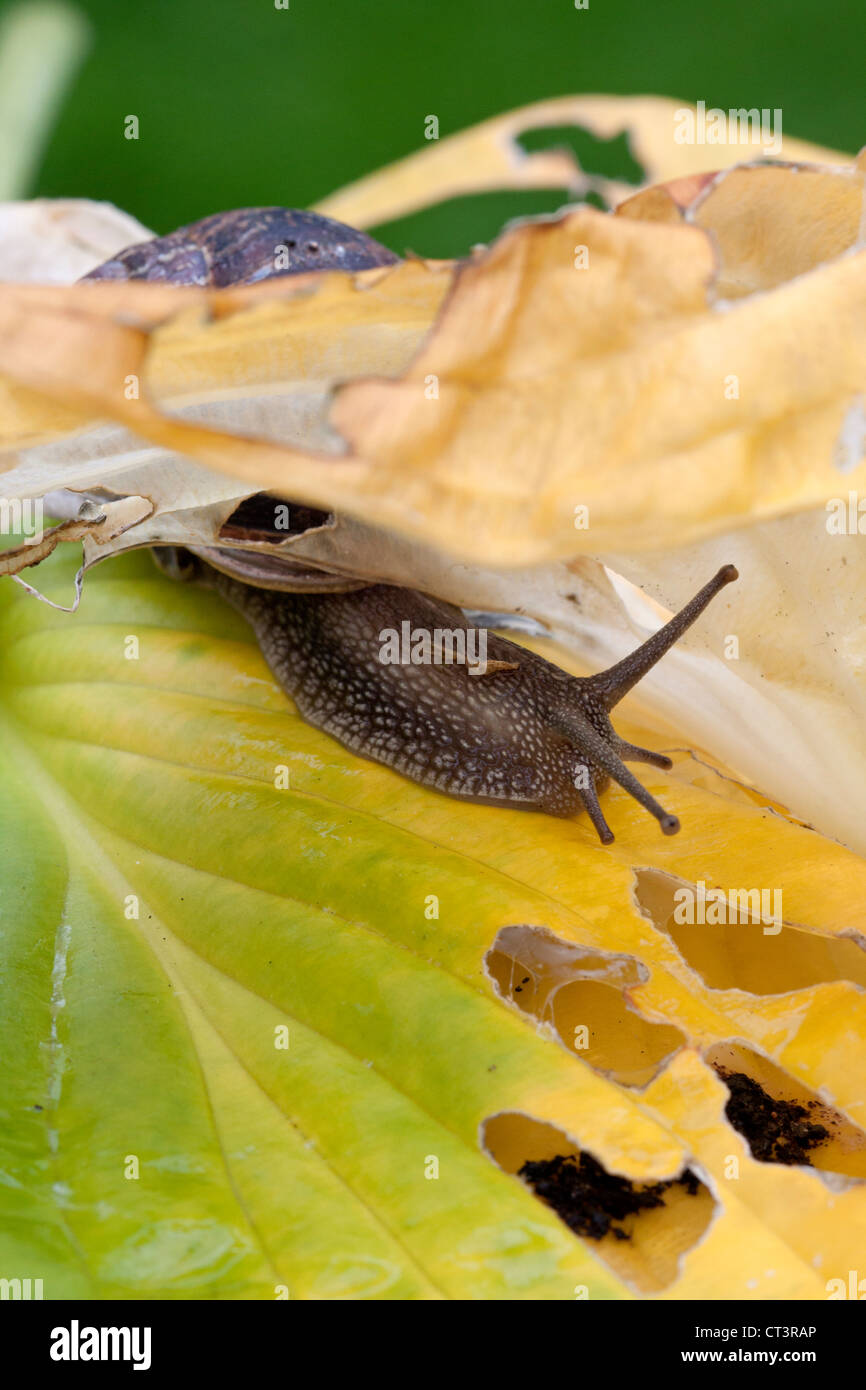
[[259, 1167], [155, 783]]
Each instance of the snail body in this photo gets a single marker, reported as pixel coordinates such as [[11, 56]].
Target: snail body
[[511, 730]]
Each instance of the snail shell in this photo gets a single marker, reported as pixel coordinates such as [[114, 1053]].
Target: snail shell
[[244, 248]]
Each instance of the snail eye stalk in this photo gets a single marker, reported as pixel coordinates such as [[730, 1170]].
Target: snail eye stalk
[[611, 685], [586, 725]]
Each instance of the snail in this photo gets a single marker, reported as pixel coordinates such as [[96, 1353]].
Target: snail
[[512, 731]]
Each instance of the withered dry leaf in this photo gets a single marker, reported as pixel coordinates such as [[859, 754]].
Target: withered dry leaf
[[51, 241], [609, 389], [544, 388], [267, 358], [488, 156], [112, 520], [769, 222]]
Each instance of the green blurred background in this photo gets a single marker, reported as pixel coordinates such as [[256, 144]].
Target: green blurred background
[[241, 103]]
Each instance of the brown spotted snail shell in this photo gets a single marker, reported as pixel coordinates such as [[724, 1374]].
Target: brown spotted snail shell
[[524, 734]]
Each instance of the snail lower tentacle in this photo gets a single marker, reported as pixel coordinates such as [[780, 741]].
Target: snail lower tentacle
[[504, 726]]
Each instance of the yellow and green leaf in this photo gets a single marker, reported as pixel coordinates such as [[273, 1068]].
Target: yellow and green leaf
[[259, 991]]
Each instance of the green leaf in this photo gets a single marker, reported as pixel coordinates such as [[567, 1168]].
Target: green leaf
[[168, 912]]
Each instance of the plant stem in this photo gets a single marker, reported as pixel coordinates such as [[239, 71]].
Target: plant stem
[[42, 43]]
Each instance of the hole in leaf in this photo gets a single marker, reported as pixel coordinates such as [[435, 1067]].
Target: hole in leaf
[[744, 952], [640, 1229], [611, 158], [266, 518], [592, 1201], [584, 996], [782, 1120]]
